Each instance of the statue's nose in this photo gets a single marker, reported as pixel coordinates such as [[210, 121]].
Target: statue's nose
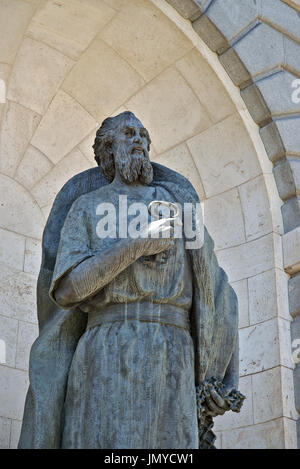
[[137, 139]]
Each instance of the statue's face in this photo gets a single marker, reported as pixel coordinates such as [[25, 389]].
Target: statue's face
[[133, 136], [130, 151]]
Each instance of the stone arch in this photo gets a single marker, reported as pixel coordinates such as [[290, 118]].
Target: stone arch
[[55, 103], [235, 32]]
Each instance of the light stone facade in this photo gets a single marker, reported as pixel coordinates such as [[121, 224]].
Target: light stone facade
[[212, 81]]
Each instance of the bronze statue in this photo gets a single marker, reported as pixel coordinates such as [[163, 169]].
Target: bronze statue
[[138, 344]]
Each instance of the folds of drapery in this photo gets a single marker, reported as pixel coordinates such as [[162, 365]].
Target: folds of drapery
[[213, 316]]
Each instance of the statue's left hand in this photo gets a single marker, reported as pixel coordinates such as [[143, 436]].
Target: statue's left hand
[[215, 404]]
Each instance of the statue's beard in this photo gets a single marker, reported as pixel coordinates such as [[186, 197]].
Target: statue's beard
[[133, 167]]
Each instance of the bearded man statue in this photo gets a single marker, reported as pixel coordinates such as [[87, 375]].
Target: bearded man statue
[[138, 343]]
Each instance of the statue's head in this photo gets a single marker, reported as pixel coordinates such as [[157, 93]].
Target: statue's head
[[122, 142]]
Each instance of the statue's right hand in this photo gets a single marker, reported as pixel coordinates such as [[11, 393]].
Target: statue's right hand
[[151, 242]]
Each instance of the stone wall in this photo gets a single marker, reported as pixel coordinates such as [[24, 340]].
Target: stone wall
[[72, 63]]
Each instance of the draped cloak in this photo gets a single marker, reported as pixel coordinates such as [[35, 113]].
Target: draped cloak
[[213, 315]]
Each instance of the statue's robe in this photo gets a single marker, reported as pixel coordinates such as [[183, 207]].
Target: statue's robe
[[71, 365]]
